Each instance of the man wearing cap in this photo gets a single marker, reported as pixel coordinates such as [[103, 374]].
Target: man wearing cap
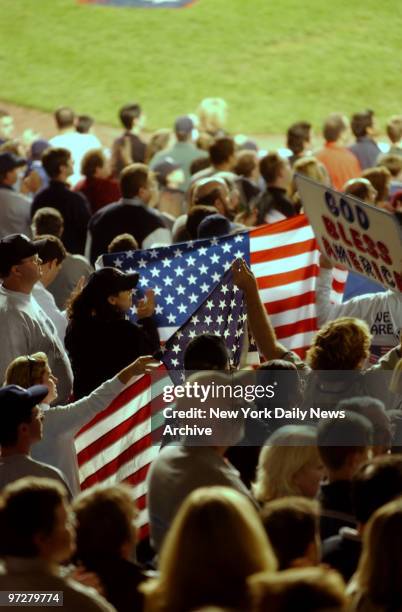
[[14, 207], [24, 327], [183, 152], [21, 425]]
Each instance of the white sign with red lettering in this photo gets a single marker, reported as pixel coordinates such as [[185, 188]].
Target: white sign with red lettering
[[364, 239]]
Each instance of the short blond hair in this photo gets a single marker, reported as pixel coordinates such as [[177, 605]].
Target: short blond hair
[[340, 345], [27, 370], [212, 113], [288, 450]]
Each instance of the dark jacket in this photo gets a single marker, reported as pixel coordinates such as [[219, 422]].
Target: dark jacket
[[336, 508], [74, 208], [274, 198], [99, 349], [130, 216], [138, 151], [342, 552]]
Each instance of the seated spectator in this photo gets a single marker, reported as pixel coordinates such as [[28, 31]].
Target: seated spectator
[[394, 133], [105, 539], [34, 544], [14, 206], [52, 254], [380, 179], [184, 151], [133, 214], [73, 207], [183, 466], [343, 445], [274, 204], [98, 187], [365, 148], [212, 115], [292, 527], [195, 216], [6, 126], [393, 163], [122, 243], [298, 140], [289, 464], [129, 148], [48, 221], [99, 339], [21, 421], [77, 143], [377, 585], [340, 163], [215, 543], [61, 423], [24, 327], [311, 589], [374, 484], [222, 158]]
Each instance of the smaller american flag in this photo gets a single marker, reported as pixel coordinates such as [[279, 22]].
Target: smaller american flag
[[223, 313]]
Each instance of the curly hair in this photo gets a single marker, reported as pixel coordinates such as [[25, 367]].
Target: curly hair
[[340, 345]]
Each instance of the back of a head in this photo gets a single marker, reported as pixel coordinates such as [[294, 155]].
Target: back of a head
[[128, 114], [105, 523], [312, 168], [218, 524], [374, 411], [375, 484], [27, 509], [48, 221], [392, 162], [51, 248], [340, 438], [308, 589], [394, 129], [334, 126], [195, 216], [246, 163], [291, 524], [84, 124], [212, 114], [92, 160], [379, 177], [361, 122], [64, 117], [52, 160], [360, 188], [297, 136], [342, 344], [270, 167], [122, 243], [206, 352], [132, 179], [221, 151]]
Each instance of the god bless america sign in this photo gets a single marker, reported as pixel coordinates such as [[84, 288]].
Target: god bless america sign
[[354, 234], [142, 3]]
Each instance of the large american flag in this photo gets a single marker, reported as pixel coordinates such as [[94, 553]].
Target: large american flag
[[117, 444]]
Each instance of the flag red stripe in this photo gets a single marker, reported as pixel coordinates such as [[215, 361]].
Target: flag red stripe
[[290, 303], [283, 251], [285, 278], [299, 327]]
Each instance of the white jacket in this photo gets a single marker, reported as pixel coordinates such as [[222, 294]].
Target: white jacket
[[63, 422], [381, 311]]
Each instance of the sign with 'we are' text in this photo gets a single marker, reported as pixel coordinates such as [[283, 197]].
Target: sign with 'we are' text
[[359, 236]]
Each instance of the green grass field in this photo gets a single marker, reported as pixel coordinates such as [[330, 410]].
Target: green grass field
[[274, 61]]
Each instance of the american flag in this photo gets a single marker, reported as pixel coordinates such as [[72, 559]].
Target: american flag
[[117, 444]]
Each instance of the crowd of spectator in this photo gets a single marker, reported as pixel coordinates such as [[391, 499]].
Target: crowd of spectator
[[306, 518]]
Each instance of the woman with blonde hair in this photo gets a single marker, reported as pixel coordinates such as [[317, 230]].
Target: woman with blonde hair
[[61, 423], [212, 113], [377, 586], [289, 464], [214, 544]]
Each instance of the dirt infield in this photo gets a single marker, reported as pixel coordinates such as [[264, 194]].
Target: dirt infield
[[43, 124]]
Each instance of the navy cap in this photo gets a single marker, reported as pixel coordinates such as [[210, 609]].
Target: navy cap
[[109, 281], [183, 125], [14, 248], [9, 161], [15, 397], [214, 225]]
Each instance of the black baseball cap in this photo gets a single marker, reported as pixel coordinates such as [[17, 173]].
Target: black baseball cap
[[14, 397], [14, 248], [109, 281], [9, 161]]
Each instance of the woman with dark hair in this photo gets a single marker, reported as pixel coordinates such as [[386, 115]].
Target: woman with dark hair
[[99, 339]]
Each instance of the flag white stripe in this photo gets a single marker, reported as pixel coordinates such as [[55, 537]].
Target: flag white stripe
[[294, 315], [287, 264], [272, 241]]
